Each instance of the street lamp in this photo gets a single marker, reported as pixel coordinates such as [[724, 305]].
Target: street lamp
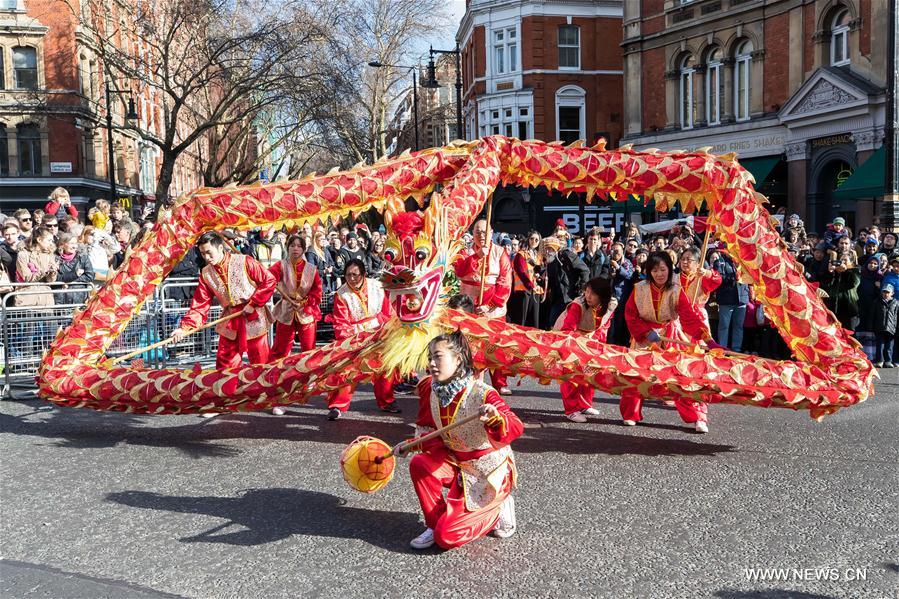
[[432, 83], [131, 116], [378, 65]]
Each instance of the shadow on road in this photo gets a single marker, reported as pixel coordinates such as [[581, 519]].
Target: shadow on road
[[200, 438], [769, 594], [259, 516]]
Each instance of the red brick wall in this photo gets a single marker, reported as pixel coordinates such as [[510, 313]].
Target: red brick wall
[[864, 43], [653, 13], [777, 62], [808, 30], [653, 89]]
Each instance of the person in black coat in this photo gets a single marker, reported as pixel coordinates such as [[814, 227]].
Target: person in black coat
[[733, 297], [886, 315], [594, 258], [565, 275], [73, 268]]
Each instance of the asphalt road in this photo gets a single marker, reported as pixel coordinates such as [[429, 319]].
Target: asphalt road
[[253, 505]]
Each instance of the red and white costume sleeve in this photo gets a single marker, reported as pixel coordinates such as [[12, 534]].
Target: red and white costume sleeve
[[708, 282], [474, 462], [497, 279]]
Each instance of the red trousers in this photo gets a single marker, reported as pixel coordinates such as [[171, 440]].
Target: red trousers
[[453, 524], [341, 398], [284, 334], [576, 397], [631, 407], [229, 355], [499, 379]]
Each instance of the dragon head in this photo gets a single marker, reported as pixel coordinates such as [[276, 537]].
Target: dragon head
[[414, 280]]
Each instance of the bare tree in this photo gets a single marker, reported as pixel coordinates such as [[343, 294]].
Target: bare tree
[[353, 117], [215, 68]]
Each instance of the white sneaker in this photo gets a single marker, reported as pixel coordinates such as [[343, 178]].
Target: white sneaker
[[505, 391], [576, 417], [590, 412], [278, 411], [424, 540], [209, 414], [702, 427], [506, 525], [629, 422]]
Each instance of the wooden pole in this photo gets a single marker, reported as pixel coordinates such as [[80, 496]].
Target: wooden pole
[[433, 435], [489, 249], [164, 342], [705, 248]]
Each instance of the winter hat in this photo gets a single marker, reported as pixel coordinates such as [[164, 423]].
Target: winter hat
[[887, 287], [794, 217], [839, 221], [871, 241], [821, 246]]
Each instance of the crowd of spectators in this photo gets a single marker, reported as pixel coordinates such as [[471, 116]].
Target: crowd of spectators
[[857, 272]]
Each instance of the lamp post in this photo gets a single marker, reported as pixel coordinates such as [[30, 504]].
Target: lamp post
[[132, 115], [378, 65], [432, 83]]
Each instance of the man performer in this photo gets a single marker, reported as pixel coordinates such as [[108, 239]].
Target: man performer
[[360, 305], [240, 284], [497, 284]]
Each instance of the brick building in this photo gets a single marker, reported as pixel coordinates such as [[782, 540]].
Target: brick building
[[436, 110], [796, 87], [542, 70], [53, 111]]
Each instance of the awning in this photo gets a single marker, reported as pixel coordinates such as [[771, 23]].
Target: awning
[[867, 181], [760, 167]]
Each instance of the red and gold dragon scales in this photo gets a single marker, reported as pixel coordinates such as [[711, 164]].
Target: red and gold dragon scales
[[829, 370]]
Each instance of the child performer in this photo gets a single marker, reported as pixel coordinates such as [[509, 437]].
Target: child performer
[[299, 308], [659, 307], [591, 314], [474, 462]]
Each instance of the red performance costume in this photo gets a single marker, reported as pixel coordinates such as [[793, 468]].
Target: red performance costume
[[236, 281], [581, 318], [301, 283], [708, 282], [474, 462], [670, 314], [497, 287], [355, 312]]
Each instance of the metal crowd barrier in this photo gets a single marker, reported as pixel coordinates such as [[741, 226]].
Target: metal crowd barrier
[[27, 331]]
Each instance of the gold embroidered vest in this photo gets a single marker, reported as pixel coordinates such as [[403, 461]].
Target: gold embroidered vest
[[284, 312], [235, 292], [365, 318], [483, 477]]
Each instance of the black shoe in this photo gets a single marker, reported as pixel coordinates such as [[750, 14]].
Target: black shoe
[[334, 414], [391, 408]]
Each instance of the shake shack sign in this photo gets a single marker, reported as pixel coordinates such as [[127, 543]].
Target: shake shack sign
[[832, 140]]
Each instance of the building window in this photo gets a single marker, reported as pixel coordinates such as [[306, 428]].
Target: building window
[[570, 114], [714, 91], [29, 141], [4, 151], [686, 101], [569, 47], [742, 64], [505, 51], [9, 4], [839, 39], [24, 64]]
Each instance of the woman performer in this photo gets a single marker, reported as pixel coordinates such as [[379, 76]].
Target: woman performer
[[659, 307], [693, 275], [591, 314], [474, 462], [299, 309], [360, 305]]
